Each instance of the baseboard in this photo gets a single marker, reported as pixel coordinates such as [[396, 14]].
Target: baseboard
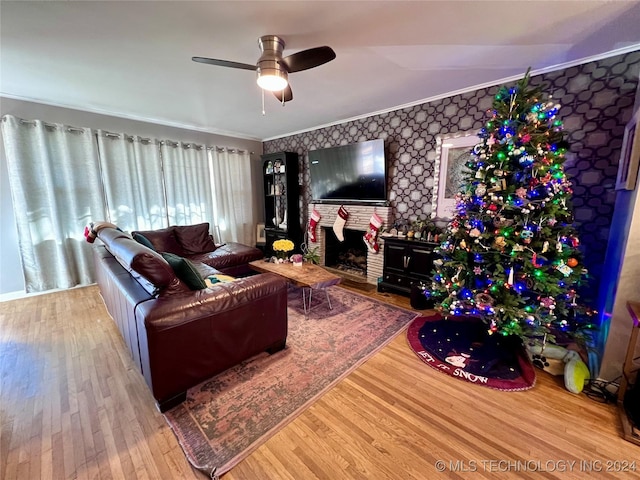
[[20, 294], [5, 297]]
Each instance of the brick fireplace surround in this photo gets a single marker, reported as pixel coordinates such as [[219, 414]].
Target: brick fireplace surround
[[359, 216]]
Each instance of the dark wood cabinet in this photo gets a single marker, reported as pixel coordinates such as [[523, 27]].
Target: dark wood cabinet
[[406, 262], [281, 199]]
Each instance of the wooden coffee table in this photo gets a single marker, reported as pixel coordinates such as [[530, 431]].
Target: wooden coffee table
[[309, 277]]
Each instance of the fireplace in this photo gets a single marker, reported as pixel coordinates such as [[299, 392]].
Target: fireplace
[[358, 223], [349, 256]]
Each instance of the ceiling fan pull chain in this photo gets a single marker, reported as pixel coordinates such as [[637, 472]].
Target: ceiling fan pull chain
[[282, 96], [263, 113]]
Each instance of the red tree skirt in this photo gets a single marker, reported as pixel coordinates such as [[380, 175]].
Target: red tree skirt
[[462, 348]]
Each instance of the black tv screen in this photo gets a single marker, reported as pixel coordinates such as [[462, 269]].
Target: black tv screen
[[353, 173]]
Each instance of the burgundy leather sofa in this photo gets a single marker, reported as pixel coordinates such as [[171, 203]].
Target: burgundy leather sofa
[[179, 337]]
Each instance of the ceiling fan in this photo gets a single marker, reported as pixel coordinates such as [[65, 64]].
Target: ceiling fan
[[273, 69]]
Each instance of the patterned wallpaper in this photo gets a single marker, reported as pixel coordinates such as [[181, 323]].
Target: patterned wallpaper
[[597, 101]]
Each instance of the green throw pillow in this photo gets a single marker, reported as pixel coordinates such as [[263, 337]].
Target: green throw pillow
[[142, 240], [185, 270]]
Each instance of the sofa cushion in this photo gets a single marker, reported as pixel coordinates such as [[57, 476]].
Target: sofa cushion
[[142, 240], [204, 270], [185, 270], [195, 238], [228, 256], [163, 240], [108, 235], [140, 260]]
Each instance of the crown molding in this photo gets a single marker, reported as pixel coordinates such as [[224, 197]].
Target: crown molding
[[155, 121]]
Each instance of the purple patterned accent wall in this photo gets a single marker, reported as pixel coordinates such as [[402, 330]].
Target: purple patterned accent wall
[[597, 101]]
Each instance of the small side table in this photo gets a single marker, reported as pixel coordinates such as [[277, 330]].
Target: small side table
[[627, 371]]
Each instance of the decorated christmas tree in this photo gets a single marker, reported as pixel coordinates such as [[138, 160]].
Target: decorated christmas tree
[[510, 255]]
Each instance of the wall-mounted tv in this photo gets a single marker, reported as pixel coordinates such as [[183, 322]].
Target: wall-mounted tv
[[353, 173]]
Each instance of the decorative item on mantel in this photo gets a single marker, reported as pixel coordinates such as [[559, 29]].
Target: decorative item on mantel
[[426, 230], [282, 248]]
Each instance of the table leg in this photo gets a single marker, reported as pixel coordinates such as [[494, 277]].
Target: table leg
[[306, 305]]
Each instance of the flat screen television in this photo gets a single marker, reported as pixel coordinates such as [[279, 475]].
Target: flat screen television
[[353, 173]]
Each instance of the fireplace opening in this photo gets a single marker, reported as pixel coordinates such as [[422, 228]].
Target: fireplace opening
[[349, 256]]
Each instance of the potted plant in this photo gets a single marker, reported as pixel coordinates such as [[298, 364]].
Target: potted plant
[[312, 256]]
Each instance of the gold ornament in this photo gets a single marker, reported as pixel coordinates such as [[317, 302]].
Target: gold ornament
[[500, 242]]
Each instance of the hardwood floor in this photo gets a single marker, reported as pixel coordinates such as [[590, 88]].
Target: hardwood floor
[[72, 406]]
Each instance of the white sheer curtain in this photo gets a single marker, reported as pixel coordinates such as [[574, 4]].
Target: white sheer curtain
[[234, 215], [187, 177], [57, 190], [132, 174]]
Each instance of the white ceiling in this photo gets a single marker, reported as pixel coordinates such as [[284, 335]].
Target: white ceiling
[[133, 59]]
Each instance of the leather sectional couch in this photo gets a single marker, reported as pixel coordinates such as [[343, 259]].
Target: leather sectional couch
[[177, 336]]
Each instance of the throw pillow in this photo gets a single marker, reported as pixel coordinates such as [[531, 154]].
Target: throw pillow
[[195, 238], [163, 240], [185, 270], [142, 240]]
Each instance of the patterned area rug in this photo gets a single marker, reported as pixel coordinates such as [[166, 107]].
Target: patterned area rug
[[227, 417], [462, 347]]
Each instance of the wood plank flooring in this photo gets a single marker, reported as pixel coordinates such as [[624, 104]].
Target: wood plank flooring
[[72, 406]]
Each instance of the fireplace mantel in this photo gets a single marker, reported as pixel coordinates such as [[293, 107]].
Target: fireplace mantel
[[359, 216]]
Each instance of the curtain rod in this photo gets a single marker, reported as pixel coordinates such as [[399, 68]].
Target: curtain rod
[[132, 138], [200, 147], [53, 126]]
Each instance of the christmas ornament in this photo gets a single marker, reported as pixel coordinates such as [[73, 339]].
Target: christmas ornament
[[548, 302], [565, 269], [572, 262], [526, 160], [534, 260], [526, 236], [500, 243], [521, 192], [484, 300]]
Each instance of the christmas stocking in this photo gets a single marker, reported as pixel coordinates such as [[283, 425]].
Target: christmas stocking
[[313, 222], [371, 237], [338, 225]]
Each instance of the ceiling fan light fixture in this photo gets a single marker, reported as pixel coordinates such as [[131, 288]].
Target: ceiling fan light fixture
[[273, 69], [273, 83], [273, 77]]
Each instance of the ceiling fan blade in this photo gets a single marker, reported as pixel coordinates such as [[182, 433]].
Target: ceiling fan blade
[[288, 94], [223, 63], [310, 58]]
